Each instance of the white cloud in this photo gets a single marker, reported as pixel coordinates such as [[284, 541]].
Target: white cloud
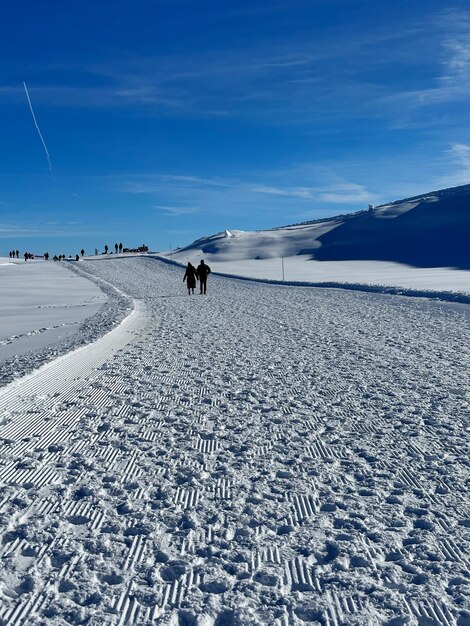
[[460, 152], [348, 193], [345, 193], [459, 156], [285, 81], [154, 183], [176, 211], [295, 192], [447, 67], [224, 192], [20, 231]]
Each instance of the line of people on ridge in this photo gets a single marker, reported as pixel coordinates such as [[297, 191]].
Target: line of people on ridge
[[15, 254], [193, 274]]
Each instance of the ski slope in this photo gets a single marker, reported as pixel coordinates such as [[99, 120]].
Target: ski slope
[[261, 455]]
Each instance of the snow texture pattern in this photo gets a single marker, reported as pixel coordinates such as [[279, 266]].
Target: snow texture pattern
[[261, 455]]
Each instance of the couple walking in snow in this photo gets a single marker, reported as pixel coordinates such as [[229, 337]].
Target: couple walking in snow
[[192, 274]]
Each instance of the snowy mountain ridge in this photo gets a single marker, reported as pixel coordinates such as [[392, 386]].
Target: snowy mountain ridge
[[430, 230]]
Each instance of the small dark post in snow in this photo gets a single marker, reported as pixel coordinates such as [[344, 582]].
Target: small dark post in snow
[[282, 261]]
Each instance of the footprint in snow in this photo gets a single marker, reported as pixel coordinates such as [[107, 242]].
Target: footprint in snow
[[78, 520]]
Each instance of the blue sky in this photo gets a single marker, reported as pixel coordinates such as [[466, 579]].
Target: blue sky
[[166, 120]]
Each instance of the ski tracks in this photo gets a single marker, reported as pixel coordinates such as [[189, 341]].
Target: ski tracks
[[262, 455]]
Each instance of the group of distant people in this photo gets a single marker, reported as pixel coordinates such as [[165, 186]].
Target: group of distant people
[[194, 274], [27, 255], [191, 275], [15, 254], [117, 248]]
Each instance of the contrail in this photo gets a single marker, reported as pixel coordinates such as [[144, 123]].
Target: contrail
[[37, 127]]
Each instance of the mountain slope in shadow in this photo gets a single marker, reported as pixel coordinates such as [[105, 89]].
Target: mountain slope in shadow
[[425, 231]]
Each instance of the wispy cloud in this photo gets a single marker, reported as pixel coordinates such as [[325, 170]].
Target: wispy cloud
[[287, 80], [340, 193], [22, 231], [153, 183], [461, 154], [348, 193], [458, 158], [451, 82], [187, 195], [177, 211], [299, 192], [284, 81]]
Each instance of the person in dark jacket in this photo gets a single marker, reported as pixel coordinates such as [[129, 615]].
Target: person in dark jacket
[[190, 278], [202, 273]]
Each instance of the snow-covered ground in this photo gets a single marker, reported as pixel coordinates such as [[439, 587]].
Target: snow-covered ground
[[42, 301], [301, 268], [46, 310], [261, 455], [420, 243], [281, 264]]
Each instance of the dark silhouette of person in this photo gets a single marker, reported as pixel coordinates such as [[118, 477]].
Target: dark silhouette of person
[[82, 251], [190, 278], [17, 254], [202, 273], [116, 247], [120, 248], [106, 249], [46, 256]]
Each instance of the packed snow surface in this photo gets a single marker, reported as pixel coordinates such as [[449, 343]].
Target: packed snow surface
[[41, 303], [47, 310], [260, 455]]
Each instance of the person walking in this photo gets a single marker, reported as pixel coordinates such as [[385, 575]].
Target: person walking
[[202, 273], [190, 278]]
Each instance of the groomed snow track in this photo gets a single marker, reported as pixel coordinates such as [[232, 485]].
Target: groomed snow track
[[63, 376], [262, 455]]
